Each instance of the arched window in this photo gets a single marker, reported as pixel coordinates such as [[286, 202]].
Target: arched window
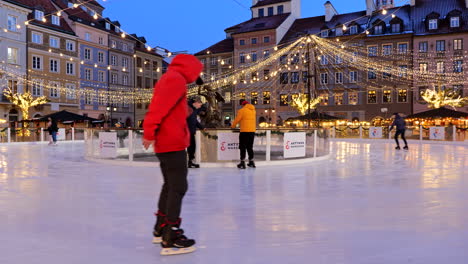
[[396, 25]]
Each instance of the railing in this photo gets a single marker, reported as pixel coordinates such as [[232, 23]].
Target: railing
[[268, 144], [16, 135]]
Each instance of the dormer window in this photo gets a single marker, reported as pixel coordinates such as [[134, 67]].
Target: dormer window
[[433, 24], [70, 5], [108, 26], [261, 12], [270, 11], [353, 30], [455, 22], [339, 31], [396, 28], [56, 20], [280, 9], [378, 29], [324, 33], [39, 15]]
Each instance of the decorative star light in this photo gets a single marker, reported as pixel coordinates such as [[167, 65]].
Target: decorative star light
[[300, 103], [440, 98]]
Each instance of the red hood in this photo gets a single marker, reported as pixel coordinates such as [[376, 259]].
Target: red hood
[[187, 65]]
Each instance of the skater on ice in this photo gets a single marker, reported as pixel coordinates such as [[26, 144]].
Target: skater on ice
[[165, 128], [53, 129], [400, 125], [246, 118], [194, 106]]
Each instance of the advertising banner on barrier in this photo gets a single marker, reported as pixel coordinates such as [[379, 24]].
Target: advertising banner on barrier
[[294, 145], [437, 133], [108, 144], [228, 146], [61, 134], [375, 132]]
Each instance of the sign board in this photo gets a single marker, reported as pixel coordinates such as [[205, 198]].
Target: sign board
[[61, 134], [228, 146], [437, 133], [108, 144], [294, 145], [375, 132]]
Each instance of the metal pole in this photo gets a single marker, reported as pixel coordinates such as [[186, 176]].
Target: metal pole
[[309, 76], [315, 143], [360, 132], [9, 135], [198, 147], [42, 134], [420, 133], [73, 134], [268, 145], [130, 145], [454, 129]]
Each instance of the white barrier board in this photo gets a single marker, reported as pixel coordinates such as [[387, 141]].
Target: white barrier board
[[61, 134], [437, 133], [294, 145], [375, 132], [108, 144], [228, 146]]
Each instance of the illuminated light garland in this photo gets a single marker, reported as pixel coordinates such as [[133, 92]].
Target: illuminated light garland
[[300, 103], [440, 98]]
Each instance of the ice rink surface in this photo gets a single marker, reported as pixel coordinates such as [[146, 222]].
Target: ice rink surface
[[368, 204]]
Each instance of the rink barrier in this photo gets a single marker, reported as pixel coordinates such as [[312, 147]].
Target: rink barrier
[[10, 135]]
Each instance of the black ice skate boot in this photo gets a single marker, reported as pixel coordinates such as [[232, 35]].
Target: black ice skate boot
[[405, 147], [251, 164], [398, 148], [241, 165], [158, 226], [191, 164], [173, 243]]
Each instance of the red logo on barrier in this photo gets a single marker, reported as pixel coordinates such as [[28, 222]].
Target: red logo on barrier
[[223, 148], [287, 144]]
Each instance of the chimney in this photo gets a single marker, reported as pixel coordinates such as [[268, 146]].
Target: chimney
[[370, 7], [466, 2], [330, 11], [413, 2]]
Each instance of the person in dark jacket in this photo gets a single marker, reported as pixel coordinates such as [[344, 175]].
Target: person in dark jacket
[[52, 128], [165, 128], [194, 106], [400, 125]]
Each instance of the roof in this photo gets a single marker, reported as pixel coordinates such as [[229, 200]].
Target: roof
[[269, 2], [314, 116], [49, 8], [425, 7], [225, 45], [66, 116], [402, 12], [440, 113], [259, 23]]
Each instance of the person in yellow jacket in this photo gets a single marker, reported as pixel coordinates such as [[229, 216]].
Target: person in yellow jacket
[[246, 116]]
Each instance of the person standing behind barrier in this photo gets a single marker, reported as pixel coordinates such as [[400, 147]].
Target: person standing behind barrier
[[246, 116], [400, 124], [194, 106], [52, 128]]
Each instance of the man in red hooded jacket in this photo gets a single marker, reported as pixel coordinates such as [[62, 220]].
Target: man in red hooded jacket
[[165, 127]]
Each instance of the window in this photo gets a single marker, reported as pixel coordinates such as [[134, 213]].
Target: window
[[254, 76], [305, 76], [323, 59], [254, 56], [387, 96], [354, 57], [12, 23], [56, 20], [38, 15], [54, 42], [125, 47], [88, 36], [433, 24], [36, 38], [108, 27], [324, 33], [423, 47], [113, 44], [101, 57], [54, 65], [88, 74], [324, 78], [403, 48], [13, 86], [402, 95], [87, 54], [378, 29], [37, 88], [440, 67], [422, 90], [458, 66], [423, 67], [295, 77], [338, 99], [266, 97], [387, 49], [253, 40], [71, 91], [270, 11], [339, 32], [214, 61], [261, 12], [371, 97], [266, 74], [280, 9], [338, 59], [114, 60], [70, 68], [457, 44], [396, 28], [89, 98], [353, 77], [101, 41], [283, 59], [338, 77], [324, 98], [125, 80], [353, 30], [403, 71], [455, 22], [440, 45], [254, 98], [114, 78], [372, 51], [284, 76], [266, 54], [266, 39], [37, 63], [458, 89], [70, 45], [387, 74], [284, 98], [125, 62], [54, 90], [242, 58], [102, 99], [12, 55], [353, 98], [371, 75], [242, 42]]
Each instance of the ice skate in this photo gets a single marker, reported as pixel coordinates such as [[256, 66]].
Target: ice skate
[[157, 230], [191, 165], [405, 147], [398, 148], [251, 164], [174, 243], [241, 165]]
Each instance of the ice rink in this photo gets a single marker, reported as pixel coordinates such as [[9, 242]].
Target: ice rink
[[368, 204]]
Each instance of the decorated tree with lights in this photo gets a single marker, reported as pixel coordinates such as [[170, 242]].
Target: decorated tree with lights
[[24, 101], [300, 103], [437, 98]]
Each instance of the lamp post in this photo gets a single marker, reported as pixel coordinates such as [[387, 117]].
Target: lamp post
[[109, 111], [270, 111]]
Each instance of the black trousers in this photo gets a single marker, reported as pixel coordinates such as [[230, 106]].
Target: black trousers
[[246, 141], [193, 146], [402, 133], [174, 170]]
